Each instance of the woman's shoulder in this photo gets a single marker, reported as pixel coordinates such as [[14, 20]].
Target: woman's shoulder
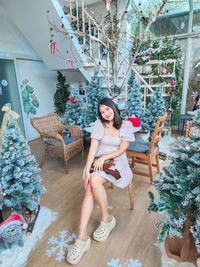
[[126, 124]]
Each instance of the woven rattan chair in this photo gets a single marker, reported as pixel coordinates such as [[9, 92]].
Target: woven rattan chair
[[48, 127]]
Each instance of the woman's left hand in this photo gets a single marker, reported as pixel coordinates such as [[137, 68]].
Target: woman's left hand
[[98, 164]]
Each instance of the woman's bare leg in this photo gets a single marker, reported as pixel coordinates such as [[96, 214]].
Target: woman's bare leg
[[86, 211], [97, 183]]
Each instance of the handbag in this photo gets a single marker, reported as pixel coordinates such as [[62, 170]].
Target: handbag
[[107, 168]]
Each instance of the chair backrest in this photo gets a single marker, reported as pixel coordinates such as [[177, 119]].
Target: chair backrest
[[158, 131], [48, 123]]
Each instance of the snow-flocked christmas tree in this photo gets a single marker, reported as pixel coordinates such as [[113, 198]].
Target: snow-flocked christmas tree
[[154, 109], [95, 96], [179, 188], [134, 104], [75, 111], [19, 177]]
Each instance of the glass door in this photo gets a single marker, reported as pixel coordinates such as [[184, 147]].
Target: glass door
[[9, 90]]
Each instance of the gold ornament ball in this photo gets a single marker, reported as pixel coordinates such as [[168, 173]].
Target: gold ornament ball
[[4, 157], [33, 197], [23, 145], [21, 173]]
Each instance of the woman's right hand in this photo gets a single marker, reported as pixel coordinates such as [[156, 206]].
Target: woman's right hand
[[87, 178]]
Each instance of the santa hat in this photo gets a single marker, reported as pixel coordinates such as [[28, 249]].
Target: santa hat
[[13, 219]]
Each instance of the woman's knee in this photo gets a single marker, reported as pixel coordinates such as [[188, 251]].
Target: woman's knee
[[88, 191], [95, 181]]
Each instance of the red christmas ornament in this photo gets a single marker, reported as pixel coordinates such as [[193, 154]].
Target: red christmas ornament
[[72, 99], [173, 84], [151, 55]]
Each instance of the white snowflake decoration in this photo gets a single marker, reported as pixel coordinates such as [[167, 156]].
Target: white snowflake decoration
[[109, 207], [115, 263], [134, 263], [60, 245]]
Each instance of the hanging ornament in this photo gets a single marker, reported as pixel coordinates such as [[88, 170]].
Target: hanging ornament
[[151, 55], [4, 157], [72, 99], [4, 82], [33, 197], [173, 83], [23, 145], [21, 173]]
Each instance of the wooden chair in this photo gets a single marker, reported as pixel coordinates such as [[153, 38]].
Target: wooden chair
[[150, 151], [108, 164], [48, 127]]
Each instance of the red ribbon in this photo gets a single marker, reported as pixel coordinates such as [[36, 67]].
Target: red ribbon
[[71, 63], [52, 48]]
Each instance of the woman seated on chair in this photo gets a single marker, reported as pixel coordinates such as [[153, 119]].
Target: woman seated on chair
[[110, 138]]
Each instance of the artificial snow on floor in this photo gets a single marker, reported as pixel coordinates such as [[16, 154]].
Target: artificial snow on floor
[[17, 256], [168, 262], [164, 144]]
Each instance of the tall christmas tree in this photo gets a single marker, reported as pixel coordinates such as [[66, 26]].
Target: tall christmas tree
[[154, 109], [75, 111], [179, 188], [95, 96], [62, 94], [134, 104], [19, 177]]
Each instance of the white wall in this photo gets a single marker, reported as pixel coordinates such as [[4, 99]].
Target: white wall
[[13, 45]]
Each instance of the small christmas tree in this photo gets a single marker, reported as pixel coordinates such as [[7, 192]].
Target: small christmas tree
[[19, 177], [75, 111], [155, 108], [179, 188], [95, 96], [134, 104], [61, 95]]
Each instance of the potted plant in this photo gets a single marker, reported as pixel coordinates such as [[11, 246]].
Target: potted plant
[[179, 200]]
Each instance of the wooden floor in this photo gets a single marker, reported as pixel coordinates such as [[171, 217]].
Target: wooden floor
[[134, 236]]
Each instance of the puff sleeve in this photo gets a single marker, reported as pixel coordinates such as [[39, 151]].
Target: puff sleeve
[[97, 130], [127, 132]]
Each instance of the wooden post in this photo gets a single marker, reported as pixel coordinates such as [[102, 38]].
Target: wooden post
[[187, 61], [1, 217]]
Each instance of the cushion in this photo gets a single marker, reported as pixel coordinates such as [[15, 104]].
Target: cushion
[[140, 147], [68, 140], [135, 121], [49, 142], [66, 133]]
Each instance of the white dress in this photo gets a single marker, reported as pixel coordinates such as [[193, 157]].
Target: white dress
[[107, 145]]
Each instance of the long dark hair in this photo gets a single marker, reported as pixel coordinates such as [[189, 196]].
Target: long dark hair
[[117, 118]]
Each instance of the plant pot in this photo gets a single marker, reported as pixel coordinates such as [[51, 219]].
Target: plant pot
[[182, 249], [142, 136]]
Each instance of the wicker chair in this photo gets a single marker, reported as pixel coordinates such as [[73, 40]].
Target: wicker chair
[[48, 127]]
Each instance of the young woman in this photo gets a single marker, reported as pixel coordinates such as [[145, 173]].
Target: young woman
[[110, 139]]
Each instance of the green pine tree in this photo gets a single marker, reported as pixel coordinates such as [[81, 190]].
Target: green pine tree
[[19, 176], [134, 104], [62, 94], [179, 188], [95, 96], [154, 109]]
